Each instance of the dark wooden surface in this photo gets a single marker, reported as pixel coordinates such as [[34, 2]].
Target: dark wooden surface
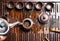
[[16, 33]]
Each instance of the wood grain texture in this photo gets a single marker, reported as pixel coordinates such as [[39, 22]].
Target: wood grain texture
[[17, 33]]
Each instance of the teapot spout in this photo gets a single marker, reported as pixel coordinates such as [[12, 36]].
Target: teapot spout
[[13, 24]]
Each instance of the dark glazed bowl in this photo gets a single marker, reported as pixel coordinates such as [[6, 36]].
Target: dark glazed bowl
[[19, 5], [27, 23], [10, 5], [29, 6], [38, 6], [49, 6]]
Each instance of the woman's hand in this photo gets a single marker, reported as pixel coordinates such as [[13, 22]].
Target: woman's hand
[[2, 38]]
